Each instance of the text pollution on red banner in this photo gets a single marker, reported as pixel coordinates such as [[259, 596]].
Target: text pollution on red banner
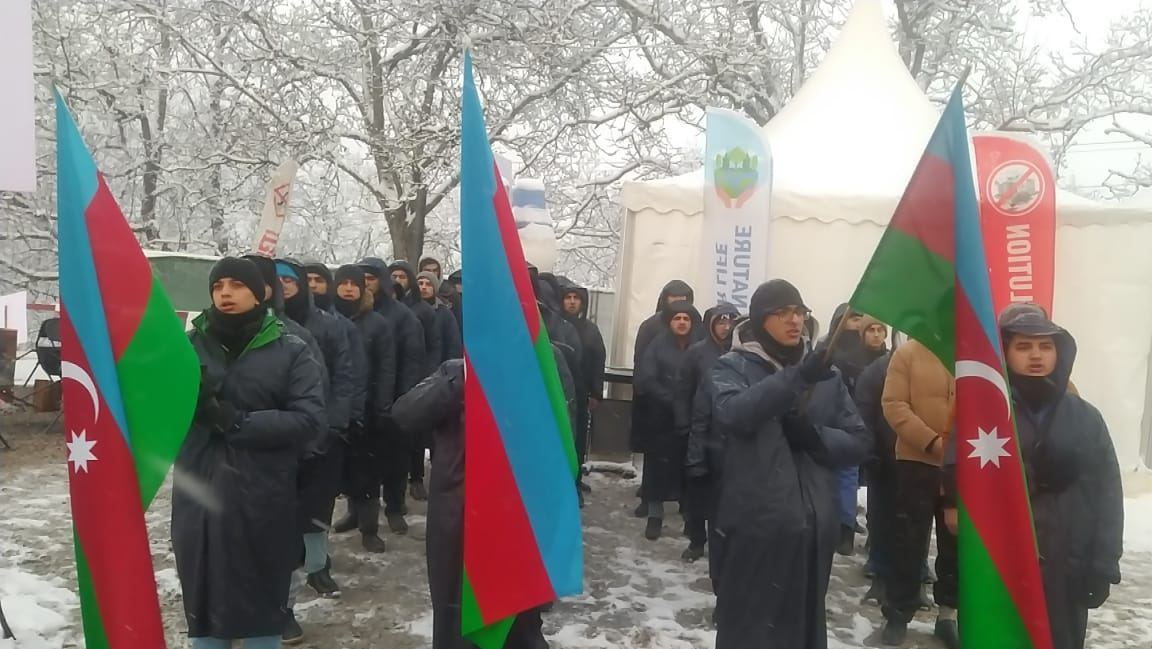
[[1018, 219]]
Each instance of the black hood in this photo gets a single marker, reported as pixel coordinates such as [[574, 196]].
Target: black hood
[[675, 287], [715, 312], [317, 268], [267, 267], [837, 316], [300, 307], [1033, 323], [378, 267], [675, 309], [410, 295], [546, 297], [567, 287]]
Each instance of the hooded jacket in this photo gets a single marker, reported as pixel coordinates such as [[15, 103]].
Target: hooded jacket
[[450, 344], [356, 358], [332, 340], [407, 332], [379, 344], [1075, 491], [651, 327], [705, 452], [778, 504], [234, 526], [433, 345], [595, 354], [560, 331]]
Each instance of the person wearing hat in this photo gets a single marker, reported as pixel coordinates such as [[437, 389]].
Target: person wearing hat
[[788, 425], [658, 381], [432, 265], [704, 452], [411, 366], [1074, 485], [428, 286], [234, 528], [273, 299], [366, 465], [319, 477]]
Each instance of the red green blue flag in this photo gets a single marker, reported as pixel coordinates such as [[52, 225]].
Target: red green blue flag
[[522, 540], [929, 278], [130, 385]]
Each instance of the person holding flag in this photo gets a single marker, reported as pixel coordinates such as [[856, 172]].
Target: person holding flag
[[234, 528], [789, 424], [1074, 480]]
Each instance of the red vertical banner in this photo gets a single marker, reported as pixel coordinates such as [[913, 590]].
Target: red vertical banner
[[1018, 218]]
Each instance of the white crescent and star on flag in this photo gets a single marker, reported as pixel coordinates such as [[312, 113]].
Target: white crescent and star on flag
[[987, 446], [80, 448]]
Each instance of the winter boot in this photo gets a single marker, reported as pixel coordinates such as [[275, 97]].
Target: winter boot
[[693, 553], [875, 592], [397, 524], [641, 510], [292, 634], [583, 486], [321, 581], [652, 531], [893, 634], [847, 546], [946, 629], [368, 512], [348, 522], [417, 491]]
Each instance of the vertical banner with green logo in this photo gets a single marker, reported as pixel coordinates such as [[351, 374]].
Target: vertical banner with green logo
[[737, 195]]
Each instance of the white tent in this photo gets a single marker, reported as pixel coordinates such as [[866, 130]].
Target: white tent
[[843, 150]]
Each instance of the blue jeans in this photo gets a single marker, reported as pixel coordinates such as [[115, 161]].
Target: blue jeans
[[849, 485], [262, 642]]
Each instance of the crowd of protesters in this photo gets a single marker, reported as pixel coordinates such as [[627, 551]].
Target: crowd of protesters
[[319, 383]]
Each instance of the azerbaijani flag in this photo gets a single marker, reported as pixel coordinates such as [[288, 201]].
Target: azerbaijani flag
[[928, 278], [522, 541], [130, 385]]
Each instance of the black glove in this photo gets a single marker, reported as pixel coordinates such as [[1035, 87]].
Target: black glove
[[1096, 592], [798, 430], [816, 367], [218, 415]]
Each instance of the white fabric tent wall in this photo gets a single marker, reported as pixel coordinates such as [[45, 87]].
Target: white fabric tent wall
[[843, 150]]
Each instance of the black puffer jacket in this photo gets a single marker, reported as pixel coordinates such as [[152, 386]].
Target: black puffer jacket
[[560, 331], [407, 333], [379, 345], [426, 314], [357, 361], [332, 340], [594, 352], [234, 529], [705, 450], [778, 504], [651, 327], [1076, 494]]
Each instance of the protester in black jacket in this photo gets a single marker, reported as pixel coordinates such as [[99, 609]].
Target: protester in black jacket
[[319, 477], [437, 404], [234, 528], [407, 291], [879, 474], [703, 454], [408, 338], [366, 467], [658, 380], [788, 424], [323, 286], [1074, 485], [574, 303]]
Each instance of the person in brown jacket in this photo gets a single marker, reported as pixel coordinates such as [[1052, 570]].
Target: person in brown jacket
[[917, 403]]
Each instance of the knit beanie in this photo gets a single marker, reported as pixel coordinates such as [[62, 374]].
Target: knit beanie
[[431, 277], [771, 296], [241, 270]]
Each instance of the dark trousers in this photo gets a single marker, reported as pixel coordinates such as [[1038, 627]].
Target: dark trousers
[[580, 435], [918, 503], [699, 506], [396, 462], [882, 496]]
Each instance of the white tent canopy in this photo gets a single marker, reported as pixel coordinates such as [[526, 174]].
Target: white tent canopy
[[843, 150]]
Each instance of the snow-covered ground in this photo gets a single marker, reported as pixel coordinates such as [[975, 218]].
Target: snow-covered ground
[[638, 594]]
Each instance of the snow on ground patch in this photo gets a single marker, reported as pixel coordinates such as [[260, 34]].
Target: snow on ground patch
[[39, 610]]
